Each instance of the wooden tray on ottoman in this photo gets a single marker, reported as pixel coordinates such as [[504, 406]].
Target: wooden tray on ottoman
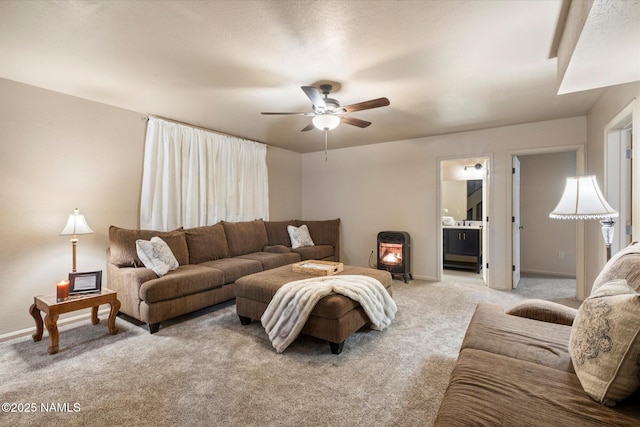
[[318, 268]]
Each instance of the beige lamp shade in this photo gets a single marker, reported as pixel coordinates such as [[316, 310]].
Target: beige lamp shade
[[582, 199], [76, 224]]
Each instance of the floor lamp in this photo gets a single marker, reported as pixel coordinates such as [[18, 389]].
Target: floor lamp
[[582, 199], [76, 224]]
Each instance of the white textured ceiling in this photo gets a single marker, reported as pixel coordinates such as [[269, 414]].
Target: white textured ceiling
[[446, 66], [600, 45]]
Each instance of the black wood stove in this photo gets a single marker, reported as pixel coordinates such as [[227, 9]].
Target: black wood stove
[[394, 253]]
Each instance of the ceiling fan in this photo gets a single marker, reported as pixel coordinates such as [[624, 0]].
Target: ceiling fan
[[328, 114]]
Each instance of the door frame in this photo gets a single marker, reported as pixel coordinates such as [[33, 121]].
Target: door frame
[[581, 272], [616, 126], [487, 232]]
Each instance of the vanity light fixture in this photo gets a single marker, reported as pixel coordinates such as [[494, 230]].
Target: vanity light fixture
[[477, 167]]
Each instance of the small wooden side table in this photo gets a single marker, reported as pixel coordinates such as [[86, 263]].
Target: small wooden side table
[[49, 305]]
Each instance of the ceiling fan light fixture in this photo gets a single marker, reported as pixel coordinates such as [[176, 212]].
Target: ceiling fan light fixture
[[326, 121]]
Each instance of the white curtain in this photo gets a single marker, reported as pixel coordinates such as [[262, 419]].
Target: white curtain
[[192, 177]]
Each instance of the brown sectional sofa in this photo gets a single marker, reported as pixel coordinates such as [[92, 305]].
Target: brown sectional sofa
[[515, 368], [211, 259]]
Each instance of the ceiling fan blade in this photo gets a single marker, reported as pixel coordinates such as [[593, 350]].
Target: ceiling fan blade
[[308, 127], [289, 114], [315, 96], [355, 122], [367, 105]]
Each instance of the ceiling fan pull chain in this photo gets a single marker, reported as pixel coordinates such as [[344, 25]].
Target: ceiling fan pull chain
[[326, 132]]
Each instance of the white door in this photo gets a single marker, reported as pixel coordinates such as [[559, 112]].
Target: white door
[[485, 224], [515, 219]]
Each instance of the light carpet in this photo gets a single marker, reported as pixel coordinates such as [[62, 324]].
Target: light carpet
[[207, 369]]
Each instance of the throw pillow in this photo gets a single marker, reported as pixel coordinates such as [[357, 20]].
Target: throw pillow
[[545, 311], [206, 243], [299, 236], [623, 265], [156, 255], [604, 345]]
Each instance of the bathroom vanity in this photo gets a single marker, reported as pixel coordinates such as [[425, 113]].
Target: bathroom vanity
[[462, 247]]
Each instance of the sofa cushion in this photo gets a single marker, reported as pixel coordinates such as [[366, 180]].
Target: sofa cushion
[[234, 268], [543, 343], [271, 260], [206, 243], [277, 233], [605, 346], [122, 245], [319, 252], [545, 311], [186, 280], [299, 236], [277, 249], [245, 237], [487, 389], [623, 265], [323, 232], [156, 255]]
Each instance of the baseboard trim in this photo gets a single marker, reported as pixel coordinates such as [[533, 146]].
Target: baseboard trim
[[427, 278], [61, 322], [548, 273]]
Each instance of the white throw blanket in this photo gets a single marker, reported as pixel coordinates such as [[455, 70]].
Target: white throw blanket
[[292, 304]]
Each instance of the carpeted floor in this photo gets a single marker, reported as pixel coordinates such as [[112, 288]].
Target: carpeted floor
[[553, 288], [559, 289], [208, 370]]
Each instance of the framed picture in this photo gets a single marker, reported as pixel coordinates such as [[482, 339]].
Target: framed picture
[[85, 283]]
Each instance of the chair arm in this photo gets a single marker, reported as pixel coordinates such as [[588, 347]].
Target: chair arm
[[126, 281]]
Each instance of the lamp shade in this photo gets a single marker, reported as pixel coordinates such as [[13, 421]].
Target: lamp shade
[[582, 199], [326, 121], [76, 224]]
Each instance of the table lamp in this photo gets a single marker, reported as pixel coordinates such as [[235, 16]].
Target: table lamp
[[582, 199], [76, 224]]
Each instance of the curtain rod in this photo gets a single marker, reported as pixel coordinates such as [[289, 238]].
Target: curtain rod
[[148, 116]]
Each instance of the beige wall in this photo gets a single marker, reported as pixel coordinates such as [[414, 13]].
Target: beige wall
[[542, 180], [355, 185], [58, 152], [612, 102]]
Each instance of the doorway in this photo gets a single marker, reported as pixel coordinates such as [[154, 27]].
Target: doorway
[[619, 176], [544, 250], [464, 202]]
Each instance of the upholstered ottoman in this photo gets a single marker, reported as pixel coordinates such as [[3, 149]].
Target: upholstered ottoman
[[334, 318]]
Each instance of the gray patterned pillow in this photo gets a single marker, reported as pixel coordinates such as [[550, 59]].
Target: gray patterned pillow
[[299, 236], [156, 255], [604, 344]]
